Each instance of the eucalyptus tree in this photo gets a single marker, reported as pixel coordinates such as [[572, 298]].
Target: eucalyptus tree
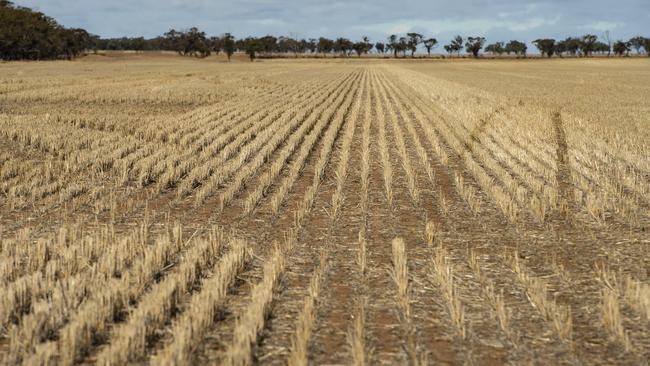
[[325, 45], [516, 47], [587, 44], [414, 39], [546, 46], [496, 48], [621, 48], [455, 45], [228, 44], [380, 47], [637, 43], [402, 45], [474, 45], [393, 45], [251, 46], [429, 44]]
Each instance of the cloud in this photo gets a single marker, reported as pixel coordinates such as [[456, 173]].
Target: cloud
[[479, 26], [602, 26], [494, 19]]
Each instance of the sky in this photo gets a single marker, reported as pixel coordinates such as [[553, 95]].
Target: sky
[[497, 20]]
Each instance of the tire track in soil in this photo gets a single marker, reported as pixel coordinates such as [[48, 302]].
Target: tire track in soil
[[479, 129], [489, 228], [562, 161], [576, 248], [485, 341]]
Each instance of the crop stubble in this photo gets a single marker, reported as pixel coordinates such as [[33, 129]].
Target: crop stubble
[[309, 212]]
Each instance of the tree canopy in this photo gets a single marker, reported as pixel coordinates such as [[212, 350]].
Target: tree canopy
[[30, 35], [474, 45]]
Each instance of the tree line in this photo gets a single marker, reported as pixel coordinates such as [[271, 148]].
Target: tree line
[[29, 35], [25, 34], [194, 42], [589, 44]]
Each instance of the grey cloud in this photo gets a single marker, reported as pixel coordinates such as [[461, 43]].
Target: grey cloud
[[495, 19]]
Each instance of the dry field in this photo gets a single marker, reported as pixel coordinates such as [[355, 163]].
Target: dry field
[[161, 211]]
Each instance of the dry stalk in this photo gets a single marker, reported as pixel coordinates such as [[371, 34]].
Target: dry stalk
[[558, 316], [356, 335], [251, 322], [305, 322], [442, 276]]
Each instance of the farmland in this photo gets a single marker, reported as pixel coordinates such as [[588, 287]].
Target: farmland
[[161, 210]]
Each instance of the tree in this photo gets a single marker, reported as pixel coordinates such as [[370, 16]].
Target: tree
[[546, 46], [429, 44], [215, 45], [587, 44], [646, 46], [228, 44], [602, 48], [312, 45], [392, 44], [195, 43], [287, 44], [474, 45], [359, 48], [26, 34], [267, 44], [560, 48], [402, 45], [518, 48], [343, 46], [414, 39], [75, 41], [637, 43], [621, 48], [572, 45], [303, 46], [325, 45], [367, 45], [496, 48], [380, 47], [456, 45], [251, 46]]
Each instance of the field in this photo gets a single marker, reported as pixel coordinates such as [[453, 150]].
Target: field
[[161, 210]]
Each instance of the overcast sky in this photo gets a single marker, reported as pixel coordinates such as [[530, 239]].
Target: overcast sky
[[494, 19]]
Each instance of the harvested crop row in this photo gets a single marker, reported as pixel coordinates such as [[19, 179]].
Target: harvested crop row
[[154, 310], [83, 316], [288, 125], [411, 179], [323, 116], [225, 147]]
